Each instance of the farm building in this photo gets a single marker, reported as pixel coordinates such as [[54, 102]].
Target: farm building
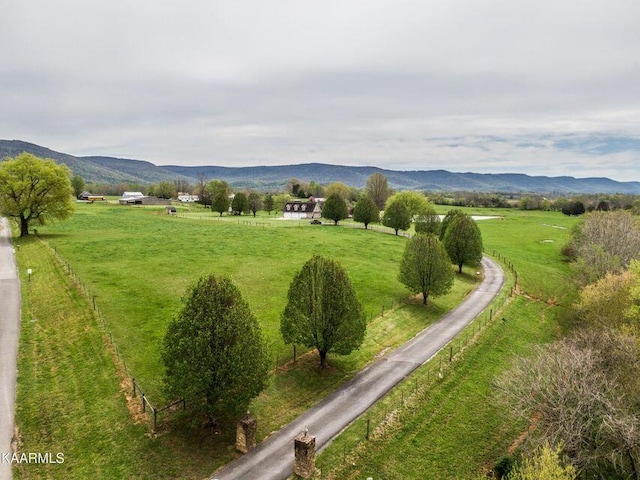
[[90, 197], [127, 195], [137, 198], [300, 209]]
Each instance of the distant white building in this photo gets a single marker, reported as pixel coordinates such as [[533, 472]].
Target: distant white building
[[127, 195], [188, 198], [137, 198]]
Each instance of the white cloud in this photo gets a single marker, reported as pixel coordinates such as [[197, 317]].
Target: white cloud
[[537, 87]]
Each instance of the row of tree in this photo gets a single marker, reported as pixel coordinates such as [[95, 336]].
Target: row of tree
[[214, 352], [530, 201], [376, 189], [38, 190], [579, 204]]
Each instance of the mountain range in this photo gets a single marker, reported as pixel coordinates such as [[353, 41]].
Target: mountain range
[[111, 170]]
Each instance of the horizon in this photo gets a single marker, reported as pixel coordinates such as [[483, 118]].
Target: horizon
[[542, 90], [325, 164]]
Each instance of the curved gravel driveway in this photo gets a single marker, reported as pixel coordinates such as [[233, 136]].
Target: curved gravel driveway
[[9, 332], [273, 458]]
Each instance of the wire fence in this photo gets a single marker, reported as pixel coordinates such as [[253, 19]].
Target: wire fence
[[279, 222], [345, 451], [372, 420], [275, 222], [145, 404]]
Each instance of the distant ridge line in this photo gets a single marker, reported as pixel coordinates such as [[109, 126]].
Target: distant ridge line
[[113, 170]]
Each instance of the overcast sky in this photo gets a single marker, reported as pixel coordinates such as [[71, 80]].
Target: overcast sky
[[546, 87]]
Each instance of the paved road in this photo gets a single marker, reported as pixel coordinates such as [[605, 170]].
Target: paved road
[[273, 458], [9, 332]]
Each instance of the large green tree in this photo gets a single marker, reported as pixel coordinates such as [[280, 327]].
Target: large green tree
[[240, 203], [323, 310], [425, 267], [340, 188], [335, 208], [220, 203], [213, 350], [416, 203], [463, 242], [34, 189], [269, 202], [397, 216], [163, 189], [218, 191], [366, 211], [428, 222], [448, 218], [77, 183]]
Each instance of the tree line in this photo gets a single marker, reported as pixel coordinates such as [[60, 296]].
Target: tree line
[[568, 204]]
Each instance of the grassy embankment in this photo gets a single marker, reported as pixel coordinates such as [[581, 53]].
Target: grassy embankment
[[453, 427], [138, 262]]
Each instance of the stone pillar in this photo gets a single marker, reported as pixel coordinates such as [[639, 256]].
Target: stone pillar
[[305, 450], [246, 433]]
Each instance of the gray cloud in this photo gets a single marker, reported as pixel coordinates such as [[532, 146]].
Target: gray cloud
[[537, 87]]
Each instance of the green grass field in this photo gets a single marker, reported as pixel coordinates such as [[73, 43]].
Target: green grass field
[[455, 427], [70, 399], [138, 262]]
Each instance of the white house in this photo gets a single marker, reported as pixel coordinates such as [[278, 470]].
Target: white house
[[300, 209]]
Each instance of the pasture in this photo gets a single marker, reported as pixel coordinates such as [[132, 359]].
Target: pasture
[[454, 427], [138, 262]]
